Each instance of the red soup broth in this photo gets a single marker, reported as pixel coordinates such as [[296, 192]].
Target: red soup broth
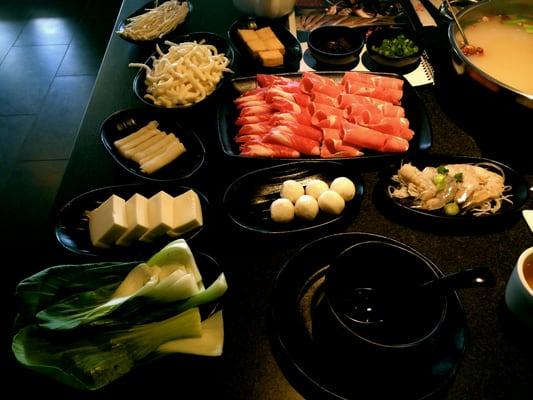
[[528, 270]]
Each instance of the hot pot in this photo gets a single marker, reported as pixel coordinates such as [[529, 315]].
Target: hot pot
[[462, 63]]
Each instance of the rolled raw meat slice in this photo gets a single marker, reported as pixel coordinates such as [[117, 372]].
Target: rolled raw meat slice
[[391, 95], [337, 145], [254, 129], [331, 133], [264, 80], [371, 139], [255, 110], [321, 98], [270, 150], [300, 143], [374, 80], [285, 106], [252, 119]]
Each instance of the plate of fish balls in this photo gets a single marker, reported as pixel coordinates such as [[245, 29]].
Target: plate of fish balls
[[300, 197]]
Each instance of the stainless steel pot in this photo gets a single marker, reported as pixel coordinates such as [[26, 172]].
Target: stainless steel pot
[[462, 63]]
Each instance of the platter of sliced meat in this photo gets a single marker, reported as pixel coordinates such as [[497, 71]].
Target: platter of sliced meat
[[346, 116]]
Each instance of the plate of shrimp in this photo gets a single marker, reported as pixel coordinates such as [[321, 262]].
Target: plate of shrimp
[[452, 190]]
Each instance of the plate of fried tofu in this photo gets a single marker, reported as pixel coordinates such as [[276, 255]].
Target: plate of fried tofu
[[264, 45]]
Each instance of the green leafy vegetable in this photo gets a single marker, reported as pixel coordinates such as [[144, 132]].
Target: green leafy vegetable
[[442, 170], [92, 361], [176, 278], [86, 325], [209, 344], [458, 177]]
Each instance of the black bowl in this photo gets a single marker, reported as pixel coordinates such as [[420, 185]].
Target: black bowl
[[336, 45], [375, 39], [403, 324], [293, 49], [222, 46], [142, 10]]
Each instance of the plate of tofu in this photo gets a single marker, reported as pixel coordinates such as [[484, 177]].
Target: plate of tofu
[[152, 145], [264, 45], [130, 220]]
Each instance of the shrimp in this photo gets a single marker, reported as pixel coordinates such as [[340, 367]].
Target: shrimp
[[480, 189], [418, 184]]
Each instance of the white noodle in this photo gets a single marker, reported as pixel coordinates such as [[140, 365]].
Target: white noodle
[[185, 75]]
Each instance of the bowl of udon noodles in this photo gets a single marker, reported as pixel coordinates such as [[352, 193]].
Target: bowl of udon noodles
[[184, 71], [499, 55]]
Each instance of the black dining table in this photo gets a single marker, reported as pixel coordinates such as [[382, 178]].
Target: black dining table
[[498, 359]]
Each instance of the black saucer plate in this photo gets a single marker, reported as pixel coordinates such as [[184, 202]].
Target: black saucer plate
[[301, 358], [247, 200], [72, 223], [125, 122], [402, 210]]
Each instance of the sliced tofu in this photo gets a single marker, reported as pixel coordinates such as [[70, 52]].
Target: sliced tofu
[[265, 33], [160, 216], [187, 213], [271, 58], [108, 222], [256, 46], [137, 216], [248, 34], [275, 44]]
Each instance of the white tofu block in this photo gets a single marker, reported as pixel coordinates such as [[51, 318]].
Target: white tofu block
[[187, 213], [137, 216], [160, 216], [108, 222]]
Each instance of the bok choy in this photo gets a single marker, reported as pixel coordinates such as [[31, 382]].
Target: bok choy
[[86, 325], [174, 277]]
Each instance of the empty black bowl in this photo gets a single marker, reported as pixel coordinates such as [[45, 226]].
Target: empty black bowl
[[408, 325], [336, 45], [375, 40]]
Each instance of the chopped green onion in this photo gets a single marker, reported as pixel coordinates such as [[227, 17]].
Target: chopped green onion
[[458, 177], [442, 170]]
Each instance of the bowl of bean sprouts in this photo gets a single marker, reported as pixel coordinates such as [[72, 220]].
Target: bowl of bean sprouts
[[154, 21]]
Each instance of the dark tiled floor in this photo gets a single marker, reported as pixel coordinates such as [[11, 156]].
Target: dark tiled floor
[[50, 52]]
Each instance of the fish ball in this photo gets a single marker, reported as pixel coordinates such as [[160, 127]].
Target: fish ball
[[282, 210], [331, 202], [344, 187], [306, 207], [292, 190], [316, 187]]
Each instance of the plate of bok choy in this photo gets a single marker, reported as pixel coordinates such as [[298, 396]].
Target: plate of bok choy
[[87, 325]]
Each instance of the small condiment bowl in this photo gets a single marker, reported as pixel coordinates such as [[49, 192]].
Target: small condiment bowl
[[376, 38], [336, 45], [412, 325]]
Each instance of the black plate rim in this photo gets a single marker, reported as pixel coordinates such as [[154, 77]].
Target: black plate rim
[[425, 133], [118, 250], [237, 43], [458, 220], [137, 172], [355, 202], [138, 80], [151, 4], [354, 237]]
